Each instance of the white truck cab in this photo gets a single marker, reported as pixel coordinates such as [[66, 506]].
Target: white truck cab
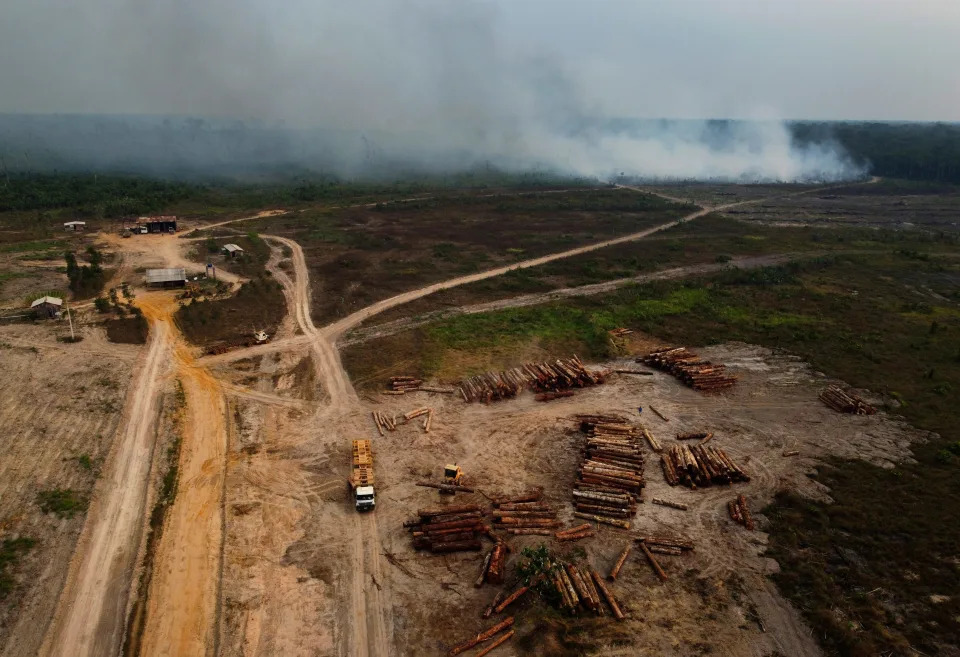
[[364, 498]]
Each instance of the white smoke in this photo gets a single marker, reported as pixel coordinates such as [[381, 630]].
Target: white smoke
[[424, 84]]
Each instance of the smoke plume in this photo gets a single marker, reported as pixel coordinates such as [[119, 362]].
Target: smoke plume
[[351, 89]]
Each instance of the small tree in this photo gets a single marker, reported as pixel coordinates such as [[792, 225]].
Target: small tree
[[102, 304]]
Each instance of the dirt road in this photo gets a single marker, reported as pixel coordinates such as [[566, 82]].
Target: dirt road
[[390, 328], [181, 607], [91, 611]]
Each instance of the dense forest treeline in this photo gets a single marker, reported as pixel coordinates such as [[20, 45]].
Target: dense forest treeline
[[915, 151], [110, 196]]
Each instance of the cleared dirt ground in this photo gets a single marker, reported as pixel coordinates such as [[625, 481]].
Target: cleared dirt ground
[[60, 408], [289, 563]]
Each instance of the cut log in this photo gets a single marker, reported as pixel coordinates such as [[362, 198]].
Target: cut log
[[496, 600], [623, 524], [672, 505], [510, 599], [653, 562], [576, 537], [607, 595], [445, 487], [462, 508], [659, 414], [483, 571], [500, 640], [615, 571], [480, 638]]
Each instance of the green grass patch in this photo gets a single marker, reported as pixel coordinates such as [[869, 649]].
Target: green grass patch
[[64, 502]]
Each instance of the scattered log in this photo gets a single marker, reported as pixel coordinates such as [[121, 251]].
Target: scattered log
[[792, 452], [483, 571], [376, 420], [496, 600], [668, 541], [510, 599], [615, 571], [452, 488], [607, 595], [663, 549], [740, 512], [659, 414], [480, 638], [623, 524], [499, 641], [672, 505], [653, 562], [530, 532], [496, 568]]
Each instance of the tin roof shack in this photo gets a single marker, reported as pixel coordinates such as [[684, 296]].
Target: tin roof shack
[[166, 277], [231, 250], [75, 226], [46, 307], [165, 224]]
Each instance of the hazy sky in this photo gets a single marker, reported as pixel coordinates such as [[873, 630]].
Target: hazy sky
[[389, 63]]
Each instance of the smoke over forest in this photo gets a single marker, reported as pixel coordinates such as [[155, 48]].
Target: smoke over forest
[[372, 89]]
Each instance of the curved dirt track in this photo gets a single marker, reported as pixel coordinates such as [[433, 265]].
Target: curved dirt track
[[91, 611]]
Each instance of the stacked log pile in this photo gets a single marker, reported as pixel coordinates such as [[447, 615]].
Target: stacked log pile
[[845, 402], [699, 466], [610, 478], [526, 518], [402, 384], [492, 386], [689, 368], [740, 512], [547, 377], [494, 565], [448, 529]]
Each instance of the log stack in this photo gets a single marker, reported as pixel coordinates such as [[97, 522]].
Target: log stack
[[671, 545], [526, 518], [691, 369], [404, 384], [699, 466], [740, 512], [845, 402], [547, 377], [448, 529], [610, 478]]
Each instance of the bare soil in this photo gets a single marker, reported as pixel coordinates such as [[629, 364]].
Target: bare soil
[[58, 403]]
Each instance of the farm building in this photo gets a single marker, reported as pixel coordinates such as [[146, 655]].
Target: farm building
[[232, 250], [165, 224], [166, 277], [46, 307], [75, 226]]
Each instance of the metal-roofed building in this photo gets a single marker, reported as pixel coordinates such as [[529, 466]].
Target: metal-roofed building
[[232, 250], [75, 225], [167, 277], [46, 306]]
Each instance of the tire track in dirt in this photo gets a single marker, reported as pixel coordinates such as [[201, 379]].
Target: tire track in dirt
[[90, 612]]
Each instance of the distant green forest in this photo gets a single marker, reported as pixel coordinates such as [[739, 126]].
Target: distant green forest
[[915, 151]]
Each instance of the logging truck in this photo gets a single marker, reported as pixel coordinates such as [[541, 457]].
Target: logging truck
[[361, 476]]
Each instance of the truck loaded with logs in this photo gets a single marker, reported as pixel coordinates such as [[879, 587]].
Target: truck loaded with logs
[[361, 476]]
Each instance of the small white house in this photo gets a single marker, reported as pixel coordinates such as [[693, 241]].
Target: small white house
[[75, 226], [232, 250], [47, 307]]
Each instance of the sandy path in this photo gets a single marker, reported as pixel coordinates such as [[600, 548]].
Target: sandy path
[[182, 602], [91, 611]]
